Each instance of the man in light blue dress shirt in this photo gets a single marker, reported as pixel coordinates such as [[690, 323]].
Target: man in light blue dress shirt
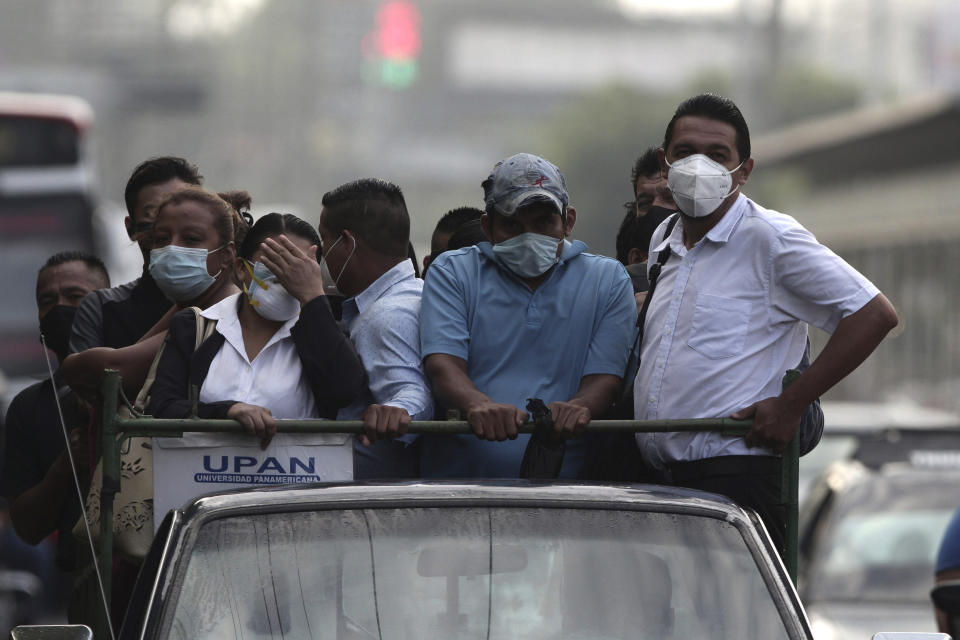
[[365, 228]]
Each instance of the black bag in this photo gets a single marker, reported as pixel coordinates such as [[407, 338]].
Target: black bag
[[615, 456], [543, 457]]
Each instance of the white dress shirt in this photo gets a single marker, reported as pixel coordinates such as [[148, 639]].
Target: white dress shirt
[[274, 379], [729, 317], [201, 462]]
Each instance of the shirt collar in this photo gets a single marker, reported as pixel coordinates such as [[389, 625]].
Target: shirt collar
[[401, 271], [720, 233], [226, 314], [222, 310], [674, 240]]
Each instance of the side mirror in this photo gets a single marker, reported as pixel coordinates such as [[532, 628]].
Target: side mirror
[[909, 635], [51, 632]]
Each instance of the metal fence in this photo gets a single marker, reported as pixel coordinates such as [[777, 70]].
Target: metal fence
[[115, 429]]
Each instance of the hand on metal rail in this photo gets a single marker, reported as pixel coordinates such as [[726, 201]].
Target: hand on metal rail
[[492, 421], [569, 419], [383, 421], [257, 421], [774, 423]]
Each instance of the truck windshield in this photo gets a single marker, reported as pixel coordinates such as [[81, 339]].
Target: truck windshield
[[413, 573]]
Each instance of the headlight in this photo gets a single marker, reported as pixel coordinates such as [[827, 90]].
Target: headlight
[[823, 629]]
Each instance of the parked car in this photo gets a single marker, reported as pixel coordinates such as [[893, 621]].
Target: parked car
[[868, 540], [880, 426], [449, 560]]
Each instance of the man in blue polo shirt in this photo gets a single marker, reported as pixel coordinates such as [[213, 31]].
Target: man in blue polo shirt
[[527, 315]]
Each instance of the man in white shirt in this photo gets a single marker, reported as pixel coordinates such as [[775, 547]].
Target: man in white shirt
[[364, 229], [729, 317]]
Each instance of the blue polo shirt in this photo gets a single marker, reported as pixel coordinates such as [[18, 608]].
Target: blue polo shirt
[[521, 344]]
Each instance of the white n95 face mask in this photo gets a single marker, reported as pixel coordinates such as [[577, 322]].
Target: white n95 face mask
[[529, 254], [699, 184], [268, 297]]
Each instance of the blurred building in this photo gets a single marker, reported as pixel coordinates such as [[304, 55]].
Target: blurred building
[[879, 187], [288, 98]]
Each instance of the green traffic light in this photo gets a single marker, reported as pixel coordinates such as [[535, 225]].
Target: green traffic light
[[398, 74]]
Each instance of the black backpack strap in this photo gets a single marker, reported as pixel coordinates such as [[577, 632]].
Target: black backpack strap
[[653, 276]]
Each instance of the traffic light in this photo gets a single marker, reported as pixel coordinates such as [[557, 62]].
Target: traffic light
[[393, 48]]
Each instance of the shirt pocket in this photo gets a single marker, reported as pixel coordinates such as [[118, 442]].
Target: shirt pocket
[[719, 327]]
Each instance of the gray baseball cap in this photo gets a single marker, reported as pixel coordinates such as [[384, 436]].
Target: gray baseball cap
[[522, 179]]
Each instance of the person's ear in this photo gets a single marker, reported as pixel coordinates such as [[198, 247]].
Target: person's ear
[[636, 255], [128, 223], [239, 269], [662, 159], [486, 223], [570, 221], [229, 255], [743, 174]]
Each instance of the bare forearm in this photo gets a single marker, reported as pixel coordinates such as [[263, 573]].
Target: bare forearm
[[855, 338], [84, 371], [452, 384], [596, 393]]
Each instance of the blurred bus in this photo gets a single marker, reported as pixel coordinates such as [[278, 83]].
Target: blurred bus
[[46, 206]]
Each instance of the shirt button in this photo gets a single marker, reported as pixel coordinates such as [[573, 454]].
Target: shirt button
[[653, 398]]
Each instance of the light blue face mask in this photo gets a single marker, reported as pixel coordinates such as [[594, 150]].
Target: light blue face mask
[[181, 272], [529, 254]]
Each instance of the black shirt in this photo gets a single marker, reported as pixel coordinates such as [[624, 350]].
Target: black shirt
[[34, 440], [119, 316]]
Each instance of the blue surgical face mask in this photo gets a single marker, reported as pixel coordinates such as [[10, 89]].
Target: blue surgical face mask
[[181, 272], [529, 254]]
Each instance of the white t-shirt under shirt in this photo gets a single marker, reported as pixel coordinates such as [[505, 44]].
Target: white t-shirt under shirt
[[729, 317]]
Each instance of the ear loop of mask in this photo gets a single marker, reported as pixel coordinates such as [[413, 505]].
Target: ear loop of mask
[[263, 285], [336, 281], [217, 274]]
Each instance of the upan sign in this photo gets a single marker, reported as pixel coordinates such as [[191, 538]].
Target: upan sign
[[184, 468], [250, 469]]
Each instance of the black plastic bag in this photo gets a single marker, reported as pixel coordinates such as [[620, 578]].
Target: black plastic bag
[[543, 456]]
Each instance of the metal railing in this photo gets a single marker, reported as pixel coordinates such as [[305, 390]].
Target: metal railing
[[115, 429]]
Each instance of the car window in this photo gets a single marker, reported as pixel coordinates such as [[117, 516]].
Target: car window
[[880, 541], [528, 573]]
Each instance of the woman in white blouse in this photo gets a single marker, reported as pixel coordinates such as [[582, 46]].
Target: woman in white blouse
[[276, 352]]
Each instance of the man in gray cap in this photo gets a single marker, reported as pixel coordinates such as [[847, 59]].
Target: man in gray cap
[[528, 314]]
